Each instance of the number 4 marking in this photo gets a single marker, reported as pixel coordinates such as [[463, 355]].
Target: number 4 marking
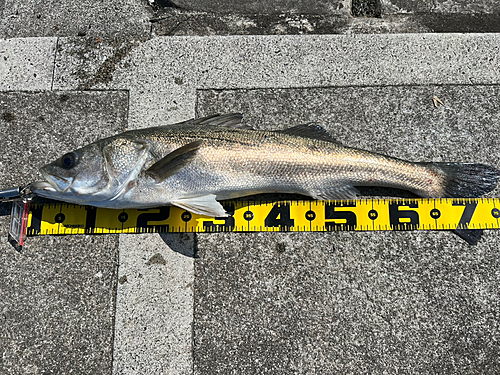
[[279, 216]]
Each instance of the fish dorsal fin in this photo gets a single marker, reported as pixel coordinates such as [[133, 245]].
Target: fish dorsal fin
[[341, 192], [174, 161], [230, 120], [203, 205], [310, 131], [123, 157]]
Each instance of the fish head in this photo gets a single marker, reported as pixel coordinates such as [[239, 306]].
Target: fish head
[[95, 174]]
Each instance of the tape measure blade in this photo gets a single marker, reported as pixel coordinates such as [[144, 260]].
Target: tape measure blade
[[255, 216]]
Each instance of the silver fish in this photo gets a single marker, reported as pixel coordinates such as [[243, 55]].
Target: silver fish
[[195, 163]]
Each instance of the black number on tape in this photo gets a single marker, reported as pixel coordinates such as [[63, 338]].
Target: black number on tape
[[227, 226], [144, 219], [90, 219], [279, 217], [310, 215], [186, 216], [435, 213], [396, 216], [348, 216], [60, 217], [372, 214], [36, 221], [122, 217], [470, 207]]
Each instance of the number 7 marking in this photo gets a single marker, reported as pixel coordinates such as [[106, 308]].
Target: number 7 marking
[[470, 208]]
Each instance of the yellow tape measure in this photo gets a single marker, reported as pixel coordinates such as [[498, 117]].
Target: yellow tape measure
[[255, 216]]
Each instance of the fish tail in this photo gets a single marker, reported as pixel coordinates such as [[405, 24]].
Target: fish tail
[[465, 180]]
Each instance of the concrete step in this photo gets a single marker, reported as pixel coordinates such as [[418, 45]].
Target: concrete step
[[143, 19], [251, 303]]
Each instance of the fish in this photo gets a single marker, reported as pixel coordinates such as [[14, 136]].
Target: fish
[[197, 163]]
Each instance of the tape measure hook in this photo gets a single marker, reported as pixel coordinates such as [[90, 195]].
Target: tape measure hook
[[20, 198], [19, 220], [17, 193]]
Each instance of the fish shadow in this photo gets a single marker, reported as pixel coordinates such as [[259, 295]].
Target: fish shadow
[[5, 208], [364, 192], [182, 243], [380, 192]]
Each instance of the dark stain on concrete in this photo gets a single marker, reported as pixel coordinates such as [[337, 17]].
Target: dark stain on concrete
[[464, 23], [175, 22], [64, 98], [164, 4], [156, 259], [105, 72], [280, 247], [8, 117], [366, 8]]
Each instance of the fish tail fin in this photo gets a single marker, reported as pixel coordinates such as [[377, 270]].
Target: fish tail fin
[[471, 236], [464, 180]]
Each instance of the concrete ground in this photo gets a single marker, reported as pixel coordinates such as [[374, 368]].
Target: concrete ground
[[279, 303]]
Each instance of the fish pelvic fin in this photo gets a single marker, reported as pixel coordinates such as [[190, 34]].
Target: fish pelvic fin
[[174, 161], [202, 205]]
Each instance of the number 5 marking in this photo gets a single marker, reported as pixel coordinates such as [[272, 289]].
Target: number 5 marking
[[331, 214]]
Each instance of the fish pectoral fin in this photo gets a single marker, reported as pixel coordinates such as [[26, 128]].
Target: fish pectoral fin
[[174, 161], [203, 205], [310, 131], [342, 192]]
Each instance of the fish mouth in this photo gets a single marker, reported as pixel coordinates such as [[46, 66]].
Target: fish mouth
[[55, 183], [42, 186]]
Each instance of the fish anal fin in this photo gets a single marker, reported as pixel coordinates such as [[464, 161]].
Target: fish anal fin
[[174, 161], [202, 205], [310, 131], [342, 192]]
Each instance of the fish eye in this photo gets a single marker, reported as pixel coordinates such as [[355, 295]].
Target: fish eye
[[68, 160]]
